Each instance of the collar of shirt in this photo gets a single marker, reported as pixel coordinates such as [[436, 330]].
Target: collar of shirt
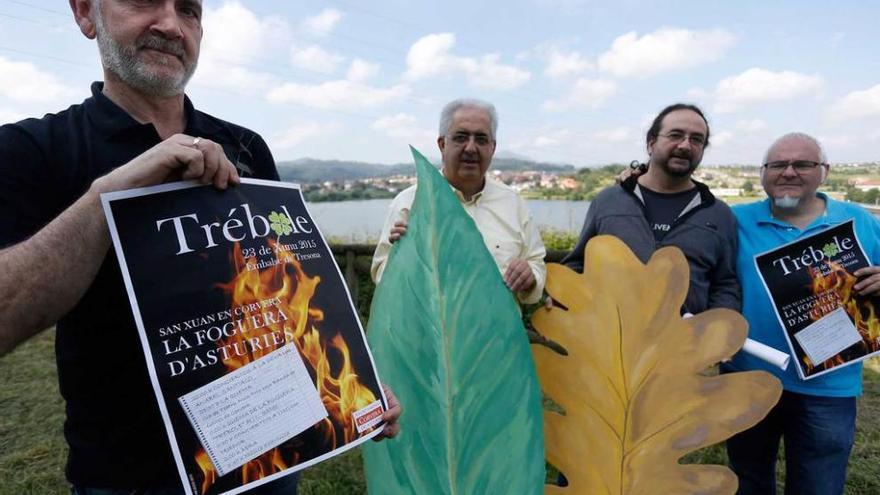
[[832, 215], [111, 120], [487, 185]]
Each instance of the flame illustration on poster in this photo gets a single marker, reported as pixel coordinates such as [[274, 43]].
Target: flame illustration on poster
[[631, 386], [829, 276], [341, 391], [446, 335]]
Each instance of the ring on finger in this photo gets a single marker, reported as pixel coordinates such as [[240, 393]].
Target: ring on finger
[[195, 143]]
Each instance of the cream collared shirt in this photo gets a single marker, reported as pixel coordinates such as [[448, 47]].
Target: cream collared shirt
[[503, 219]]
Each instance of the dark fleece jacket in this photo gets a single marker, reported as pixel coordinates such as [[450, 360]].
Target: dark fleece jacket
[[705, 232]]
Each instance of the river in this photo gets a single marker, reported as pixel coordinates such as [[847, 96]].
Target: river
[[361, 221]]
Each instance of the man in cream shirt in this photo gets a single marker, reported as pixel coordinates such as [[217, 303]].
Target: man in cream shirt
[[467, 143]]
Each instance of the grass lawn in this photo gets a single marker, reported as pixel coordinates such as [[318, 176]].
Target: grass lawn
[[32, 448]]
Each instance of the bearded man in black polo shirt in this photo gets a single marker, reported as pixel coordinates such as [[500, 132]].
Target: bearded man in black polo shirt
[[664, 206], [138, 129]]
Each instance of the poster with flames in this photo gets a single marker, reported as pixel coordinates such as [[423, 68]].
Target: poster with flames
[[810, 283], [256, 354]]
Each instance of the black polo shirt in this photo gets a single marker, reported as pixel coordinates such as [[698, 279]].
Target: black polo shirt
[[113, 426]]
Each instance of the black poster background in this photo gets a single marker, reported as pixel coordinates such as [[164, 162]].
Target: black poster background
[[798, 304], [167, 288]]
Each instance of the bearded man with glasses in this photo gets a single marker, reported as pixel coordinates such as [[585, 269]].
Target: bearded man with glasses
[[664, 206], [816, 418]]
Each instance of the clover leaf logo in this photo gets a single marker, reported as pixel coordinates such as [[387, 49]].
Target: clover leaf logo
[[830, 249], [280, 223]]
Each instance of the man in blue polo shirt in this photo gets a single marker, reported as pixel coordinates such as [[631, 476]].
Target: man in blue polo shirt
[[816, 418]]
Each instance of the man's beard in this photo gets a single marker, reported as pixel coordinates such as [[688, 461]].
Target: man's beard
[[786, 202], [678, 172], [123, 62]]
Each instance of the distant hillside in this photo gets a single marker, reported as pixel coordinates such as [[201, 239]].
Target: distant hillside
[[311, 170]]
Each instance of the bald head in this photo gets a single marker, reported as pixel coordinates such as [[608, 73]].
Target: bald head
[[798, 139]]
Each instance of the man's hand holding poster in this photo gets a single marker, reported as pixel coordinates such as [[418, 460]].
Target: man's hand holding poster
[[810, 282], [256, 355]]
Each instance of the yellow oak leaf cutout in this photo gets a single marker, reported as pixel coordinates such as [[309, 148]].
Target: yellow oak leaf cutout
[[633, 385]]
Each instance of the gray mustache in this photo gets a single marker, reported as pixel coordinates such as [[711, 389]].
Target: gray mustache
[[168, 46]]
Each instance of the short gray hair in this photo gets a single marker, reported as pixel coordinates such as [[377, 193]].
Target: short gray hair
[[455, 105], [800, 136]]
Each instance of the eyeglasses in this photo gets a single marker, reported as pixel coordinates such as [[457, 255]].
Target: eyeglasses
[[463, 138], [799, 166], [697, 140]]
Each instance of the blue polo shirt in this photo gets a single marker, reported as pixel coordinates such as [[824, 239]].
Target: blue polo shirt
[[758, 232]]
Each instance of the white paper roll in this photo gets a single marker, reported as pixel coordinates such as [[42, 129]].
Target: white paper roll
[[773, 356]]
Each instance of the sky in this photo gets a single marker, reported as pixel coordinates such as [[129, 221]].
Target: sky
[[574, 81]]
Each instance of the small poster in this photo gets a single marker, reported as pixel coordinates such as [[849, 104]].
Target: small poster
[[256, 354], [810, 283]]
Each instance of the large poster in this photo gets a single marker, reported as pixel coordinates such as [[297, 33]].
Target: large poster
[[810, 282], [258, 360]]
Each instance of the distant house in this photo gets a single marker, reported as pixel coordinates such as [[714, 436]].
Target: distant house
[[864, 184], [726, 191], [568, 183]]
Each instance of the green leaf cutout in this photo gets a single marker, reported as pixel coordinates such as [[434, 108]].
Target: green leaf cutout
[[446, 335]]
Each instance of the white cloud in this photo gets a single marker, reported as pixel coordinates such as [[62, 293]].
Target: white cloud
[[615, 135], [837, 141], [697, 93], [7, 117], [722, 138], [744, 133], [234, 77], [361, 70], [664, 50], [234, 33], [24, 83], [546, 138], [335, 95], [296, 134], [760, 85], [316, 59], [234, 36], [753, 125], [585, 93], [560, 65], [431, 56], [323, 23], [858, 104], [543, 141], [490, 74], [404, 126], [399, 125]]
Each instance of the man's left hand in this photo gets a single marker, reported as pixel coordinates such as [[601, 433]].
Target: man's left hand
[[519, 276], [390, 417], [869, 280]]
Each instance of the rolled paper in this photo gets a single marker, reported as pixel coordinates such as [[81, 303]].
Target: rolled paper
[[766, 353]]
